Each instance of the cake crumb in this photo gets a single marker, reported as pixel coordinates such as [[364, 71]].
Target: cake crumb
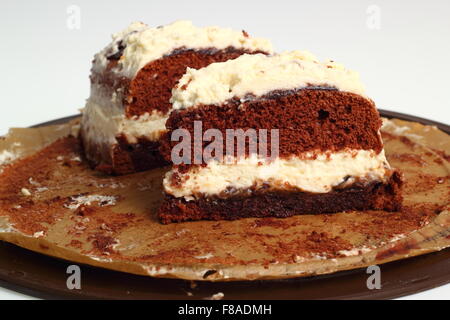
[[298, 259], [38, 234], [7, 157], [32, 182], [206, 256], [217, 296], [78, 201], [42, 189], [25, 192]]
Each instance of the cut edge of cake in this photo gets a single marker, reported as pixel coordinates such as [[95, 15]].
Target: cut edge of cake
[[330, 145], [131, 79]]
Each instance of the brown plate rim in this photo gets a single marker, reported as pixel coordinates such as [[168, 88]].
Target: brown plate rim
[[402, 277]]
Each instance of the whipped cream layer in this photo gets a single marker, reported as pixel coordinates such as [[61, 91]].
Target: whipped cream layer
[[317, 173], [142, 44], [104, 119], [258, 75]]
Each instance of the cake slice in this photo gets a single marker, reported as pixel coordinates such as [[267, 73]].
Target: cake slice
[[131, 83], [322, 151]]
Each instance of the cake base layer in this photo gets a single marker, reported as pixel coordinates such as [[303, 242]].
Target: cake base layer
[[129, 158], [281, 204]]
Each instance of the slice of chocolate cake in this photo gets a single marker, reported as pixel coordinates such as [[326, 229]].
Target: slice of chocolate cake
[[131, 83], [309, 142]]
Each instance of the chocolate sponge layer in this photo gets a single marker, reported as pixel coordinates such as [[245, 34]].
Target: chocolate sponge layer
[[308, 119], [281, 204]]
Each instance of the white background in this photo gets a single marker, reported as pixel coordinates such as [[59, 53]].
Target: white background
[[400, 48]]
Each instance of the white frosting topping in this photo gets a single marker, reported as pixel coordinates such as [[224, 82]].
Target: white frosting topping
[[144, 44], [260, 74], [318, 175]]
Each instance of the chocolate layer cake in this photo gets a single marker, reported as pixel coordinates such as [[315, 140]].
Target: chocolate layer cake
[[131, 83], [326, 153]]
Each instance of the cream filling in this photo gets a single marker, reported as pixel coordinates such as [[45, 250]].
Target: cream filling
[[104, 119], [260, 74], [317, 175], [144, 44]]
